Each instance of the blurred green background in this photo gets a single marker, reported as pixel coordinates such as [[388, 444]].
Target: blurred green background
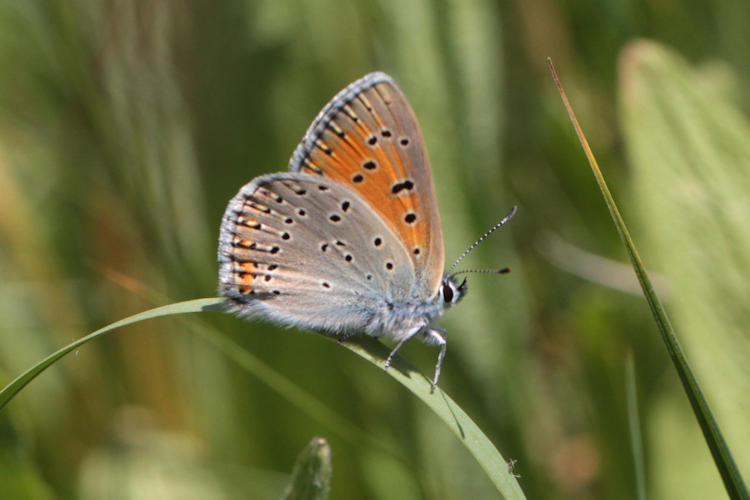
[[126, 126]]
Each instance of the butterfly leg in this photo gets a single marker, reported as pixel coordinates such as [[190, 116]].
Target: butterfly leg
[[408, 336], [434, 337]]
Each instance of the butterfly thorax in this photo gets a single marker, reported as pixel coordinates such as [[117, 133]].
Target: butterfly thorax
[[399, 319]]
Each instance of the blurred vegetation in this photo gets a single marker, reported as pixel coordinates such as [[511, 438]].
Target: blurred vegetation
[[126, 126]]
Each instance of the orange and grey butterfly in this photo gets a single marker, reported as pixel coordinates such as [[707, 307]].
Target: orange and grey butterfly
[[349, 240]]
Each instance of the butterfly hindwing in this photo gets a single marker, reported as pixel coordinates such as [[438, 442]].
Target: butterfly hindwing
[[282, 227], [368, 139]]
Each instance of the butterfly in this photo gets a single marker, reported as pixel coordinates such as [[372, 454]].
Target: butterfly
[[349, 241]]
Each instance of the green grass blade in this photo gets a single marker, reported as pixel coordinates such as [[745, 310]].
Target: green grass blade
[[634, 423], [311, 478], [190, 306], [723, 459], [445, 408]]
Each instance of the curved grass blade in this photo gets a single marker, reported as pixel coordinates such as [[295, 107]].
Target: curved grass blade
[[449, 412], [723, 459], [190, 306], [444, 407]]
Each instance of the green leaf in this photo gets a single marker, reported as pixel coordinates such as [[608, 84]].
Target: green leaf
[[311, 478]]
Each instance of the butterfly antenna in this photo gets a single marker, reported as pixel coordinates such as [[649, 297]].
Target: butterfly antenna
[[482, 271], [484, 237]]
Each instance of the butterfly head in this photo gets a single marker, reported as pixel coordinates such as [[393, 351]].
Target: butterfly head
[[451, 291]]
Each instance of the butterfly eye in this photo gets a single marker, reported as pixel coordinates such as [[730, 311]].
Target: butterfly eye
[[447, 293]]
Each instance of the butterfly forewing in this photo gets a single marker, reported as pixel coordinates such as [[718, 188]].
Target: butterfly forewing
[[368, 139], [313, 251]]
